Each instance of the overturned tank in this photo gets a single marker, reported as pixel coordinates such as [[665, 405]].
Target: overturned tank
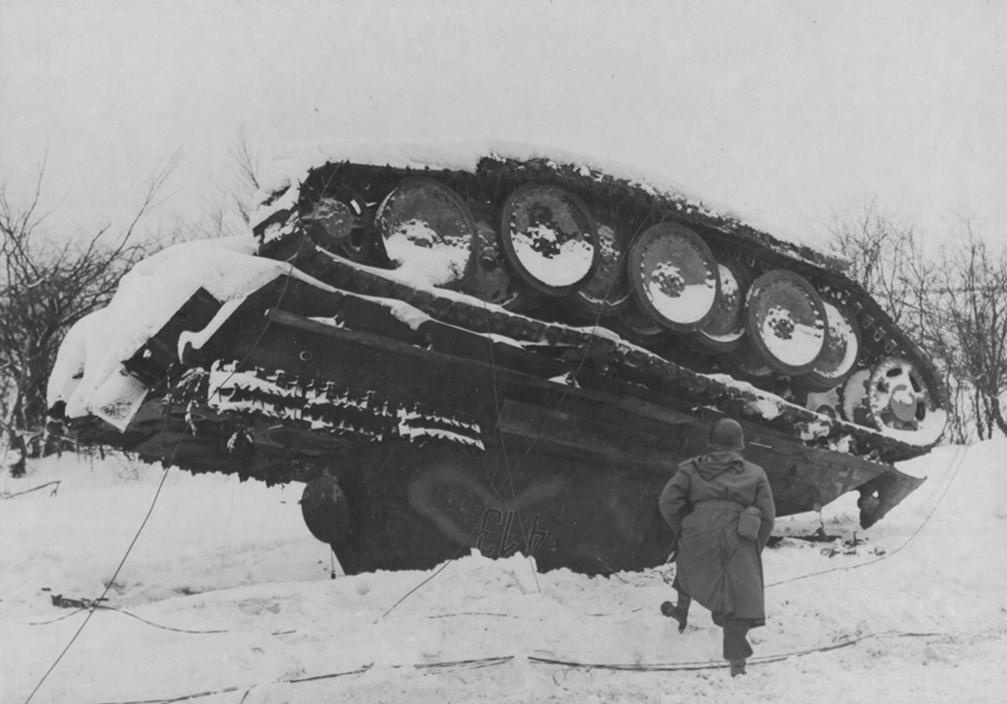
[[481, 346]]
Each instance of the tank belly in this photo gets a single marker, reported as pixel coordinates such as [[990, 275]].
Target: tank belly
[[412, 508], [435, 454]]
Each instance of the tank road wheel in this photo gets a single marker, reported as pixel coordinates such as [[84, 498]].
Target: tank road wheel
[[839, 357], [549, 237], [342, 224], [825, 402], [426, 225], [786, 321], [853, 402], [638, 327], [746, 363], [326, 512], [490, 278], [606, 290], [725, 328], [673, 276], [897, 395]]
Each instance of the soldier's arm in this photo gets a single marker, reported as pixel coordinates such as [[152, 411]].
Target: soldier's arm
[[674, 500], [767, 509]]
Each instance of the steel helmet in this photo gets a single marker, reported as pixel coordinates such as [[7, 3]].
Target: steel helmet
[[726, 434]]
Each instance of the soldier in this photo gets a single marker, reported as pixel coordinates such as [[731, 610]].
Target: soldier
[[720, 509]]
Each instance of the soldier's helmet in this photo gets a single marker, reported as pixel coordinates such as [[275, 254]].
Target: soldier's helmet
[[726, 434]]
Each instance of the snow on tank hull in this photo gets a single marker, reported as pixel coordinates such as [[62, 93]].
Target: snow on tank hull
[[504, 408], [441, 440]]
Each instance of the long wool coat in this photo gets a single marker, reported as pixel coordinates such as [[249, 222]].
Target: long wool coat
[[702, 504]]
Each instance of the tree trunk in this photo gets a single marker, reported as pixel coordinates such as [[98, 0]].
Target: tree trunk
[[998, 417], [17, 443]]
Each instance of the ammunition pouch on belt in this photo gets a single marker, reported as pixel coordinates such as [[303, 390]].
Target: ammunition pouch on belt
[[749, 522]]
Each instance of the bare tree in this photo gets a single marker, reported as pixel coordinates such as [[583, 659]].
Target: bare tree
[[886, 258], [955, 305], [970, 314], [228, 208], [45, 288], [247, 179]]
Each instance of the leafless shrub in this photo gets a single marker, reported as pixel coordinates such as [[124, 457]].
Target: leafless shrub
[[47, 285], [954, 303]]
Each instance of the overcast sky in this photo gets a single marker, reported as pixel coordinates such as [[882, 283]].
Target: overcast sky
[[784, 110]]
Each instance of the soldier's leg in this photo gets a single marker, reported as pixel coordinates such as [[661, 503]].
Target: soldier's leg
[[736, 646], [680, 610]]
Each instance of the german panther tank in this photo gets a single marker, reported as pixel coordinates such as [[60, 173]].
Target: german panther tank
[[466, 347]]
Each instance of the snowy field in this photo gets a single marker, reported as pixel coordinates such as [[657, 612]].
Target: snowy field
[[227, 599]]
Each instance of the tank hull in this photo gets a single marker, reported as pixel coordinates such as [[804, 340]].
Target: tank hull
[[507, 354], [443, 441]]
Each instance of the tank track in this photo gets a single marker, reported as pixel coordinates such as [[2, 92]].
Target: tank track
[[649, 353], [327, 407]]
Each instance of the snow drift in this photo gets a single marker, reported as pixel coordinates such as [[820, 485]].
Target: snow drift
[[222, 599]]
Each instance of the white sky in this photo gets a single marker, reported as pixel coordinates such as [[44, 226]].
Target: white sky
[[784, 110]]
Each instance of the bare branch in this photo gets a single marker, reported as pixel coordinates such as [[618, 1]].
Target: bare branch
[[44, 289], [248, 179], [955, 304]]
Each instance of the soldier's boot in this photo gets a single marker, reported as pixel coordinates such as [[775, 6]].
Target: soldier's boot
[[679, 612]]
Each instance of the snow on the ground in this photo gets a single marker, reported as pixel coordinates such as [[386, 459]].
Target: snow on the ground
[[235, 559]]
